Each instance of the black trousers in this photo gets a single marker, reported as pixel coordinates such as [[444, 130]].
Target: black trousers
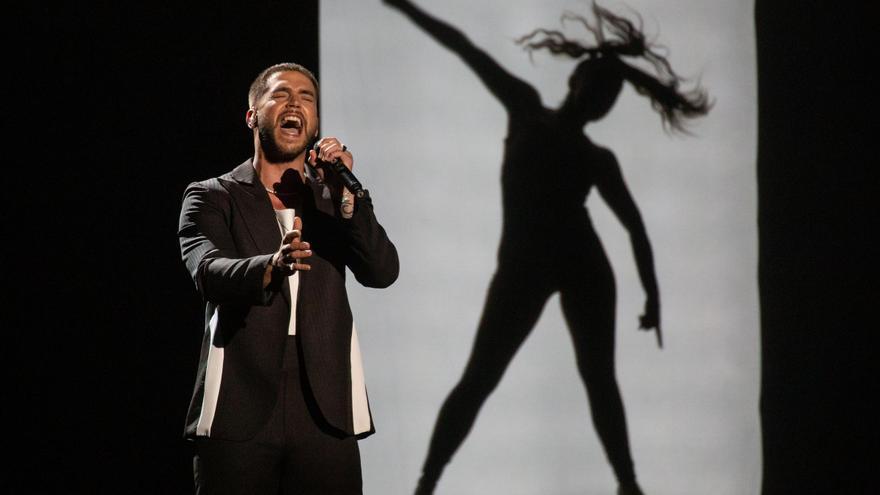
[[292, 455]]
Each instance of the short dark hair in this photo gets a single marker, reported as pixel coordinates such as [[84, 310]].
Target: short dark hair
[[260, 84]]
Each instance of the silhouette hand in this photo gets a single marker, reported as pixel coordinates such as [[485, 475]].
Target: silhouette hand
[[651, 318]]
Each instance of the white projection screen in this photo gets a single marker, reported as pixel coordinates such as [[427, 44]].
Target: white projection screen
[[428, 138]]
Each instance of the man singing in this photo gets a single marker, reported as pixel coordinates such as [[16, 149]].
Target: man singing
[[279, 399]]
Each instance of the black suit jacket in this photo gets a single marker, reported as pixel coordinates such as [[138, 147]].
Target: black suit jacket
[[228, 232]]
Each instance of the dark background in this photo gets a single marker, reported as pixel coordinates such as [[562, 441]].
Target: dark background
[[122, 105], [818, 279], [125, 105]]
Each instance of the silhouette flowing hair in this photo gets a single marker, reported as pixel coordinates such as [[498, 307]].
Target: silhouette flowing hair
[[615, 37]]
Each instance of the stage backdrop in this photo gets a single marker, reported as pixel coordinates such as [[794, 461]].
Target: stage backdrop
[[427, 138]]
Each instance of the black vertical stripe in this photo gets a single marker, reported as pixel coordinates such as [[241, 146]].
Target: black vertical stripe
[[817, 208]]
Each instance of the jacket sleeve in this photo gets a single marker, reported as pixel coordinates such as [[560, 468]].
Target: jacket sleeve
[[209, 252], [371, 256]]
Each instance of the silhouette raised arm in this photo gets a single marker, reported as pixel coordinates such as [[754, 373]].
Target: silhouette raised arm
[[616, 195], [513, 92]]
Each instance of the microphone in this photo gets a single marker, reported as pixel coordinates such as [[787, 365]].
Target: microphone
[[348, 178]]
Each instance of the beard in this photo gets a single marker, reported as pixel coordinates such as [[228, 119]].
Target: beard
[[276, 153]]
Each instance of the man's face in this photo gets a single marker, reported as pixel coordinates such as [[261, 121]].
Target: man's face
[[287, 116]]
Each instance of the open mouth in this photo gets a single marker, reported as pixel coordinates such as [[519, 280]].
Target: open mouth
[[292, 124]]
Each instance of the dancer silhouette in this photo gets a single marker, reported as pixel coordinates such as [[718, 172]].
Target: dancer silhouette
[[548, 243]]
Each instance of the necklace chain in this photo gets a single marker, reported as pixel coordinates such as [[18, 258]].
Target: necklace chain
[[276, 193]]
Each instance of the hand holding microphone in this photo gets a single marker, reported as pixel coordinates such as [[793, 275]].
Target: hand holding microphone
[[332, 152]]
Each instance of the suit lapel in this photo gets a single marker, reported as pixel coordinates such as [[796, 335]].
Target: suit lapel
[[252, 201], [320, 191], [322, 205]]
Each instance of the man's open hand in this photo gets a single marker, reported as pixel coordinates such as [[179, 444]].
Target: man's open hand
[[291, 254]]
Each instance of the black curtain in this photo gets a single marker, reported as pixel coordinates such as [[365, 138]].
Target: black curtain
[[123, 105], [817, 216]]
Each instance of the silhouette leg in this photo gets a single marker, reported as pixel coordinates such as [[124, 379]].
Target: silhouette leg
[[512, 308], [590, 317]]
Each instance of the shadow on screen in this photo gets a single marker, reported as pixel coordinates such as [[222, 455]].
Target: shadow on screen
[[548, 243]]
